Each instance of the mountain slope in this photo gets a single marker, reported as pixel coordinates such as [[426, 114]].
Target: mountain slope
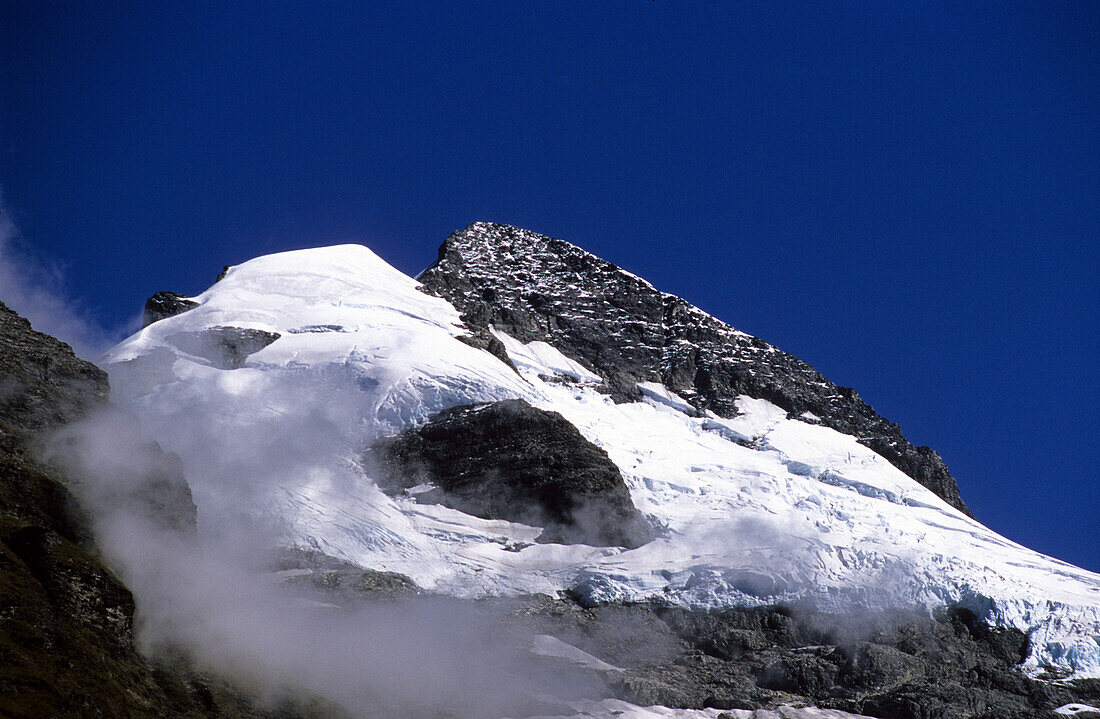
[[758, 507]]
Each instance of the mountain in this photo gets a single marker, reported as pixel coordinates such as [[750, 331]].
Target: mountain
[[679, 508]]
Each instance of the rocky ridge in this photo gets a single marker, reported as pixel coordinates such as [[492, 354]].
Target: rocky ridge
[[535, 287]]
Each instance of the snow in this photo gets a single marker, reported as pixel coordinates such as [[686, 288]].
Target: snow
[[548, 646], [662, 395], [1075, 709], [760, 508], [617, 709], [545, 359]]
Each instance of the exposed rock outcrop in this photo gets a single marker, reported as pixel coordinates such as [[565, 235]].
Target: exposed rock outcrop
[[42, 383], [891, 664], [538, 288], [345, 583], [165, 304], [224, 347], [48, 396], [509, 460]]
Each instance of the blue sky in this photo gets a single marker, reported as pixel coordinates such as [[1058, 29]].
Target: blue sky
[[903, 194]]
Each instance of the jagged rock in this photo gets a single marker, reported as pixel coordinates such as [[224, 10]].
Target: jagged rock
[[1080, 711], [883, 664], [1008, 645], [805, 673], [165, 304], [343, 580], [224, 347], [875, 665], [484, 340], [42, 383], [509, 460], [619, 326]]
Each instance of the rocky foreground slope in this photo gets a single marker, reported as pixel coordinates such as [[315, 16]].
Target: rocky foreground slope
[[67, 644]]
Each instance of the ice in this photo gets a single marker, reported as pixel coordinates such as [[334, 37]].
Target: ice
[[663, 395], [617, 709], [544, 359], [1070, 710], [759, 508]]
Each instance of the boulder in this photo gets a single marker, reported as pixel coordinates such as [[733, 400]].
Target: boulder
[[509, 460], [165, 304], [224, 347]]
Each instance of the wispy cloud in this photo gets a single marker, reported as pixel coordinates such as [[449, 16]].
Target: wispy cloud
[[35, 288], [214, 595]]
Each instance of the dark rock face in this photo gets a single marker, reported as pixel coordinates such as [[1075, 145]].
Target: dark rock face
[[886, 664], [509, 460], [484, 340], [42, 383], [48, 394], [539, 288], [165, 304], [65, 640], [224, 347]]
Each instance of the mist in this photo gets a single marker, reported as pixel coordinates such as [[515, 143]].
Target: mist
[[36, 290], [210, 591], [405, 657], [202, 574]]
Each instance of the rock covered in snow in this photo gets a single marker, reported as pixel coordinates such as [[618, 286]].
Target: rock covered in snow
[[165, 304], [224, 347]]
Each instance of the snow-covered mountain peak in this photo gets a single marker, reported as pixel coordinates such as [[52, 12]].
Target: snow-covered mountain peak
[[274, 381], [341, 308], [285, 291]]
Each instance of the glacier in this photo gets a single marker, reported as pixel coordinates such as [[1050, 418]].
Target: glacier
[[757, 509]]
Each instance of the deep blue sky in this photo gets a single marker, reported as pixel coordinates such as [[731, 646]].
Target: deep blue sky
[[903, 194]]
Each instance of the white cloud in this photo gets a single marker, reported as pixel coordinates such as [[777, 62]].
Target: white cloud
[[36, 290]]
